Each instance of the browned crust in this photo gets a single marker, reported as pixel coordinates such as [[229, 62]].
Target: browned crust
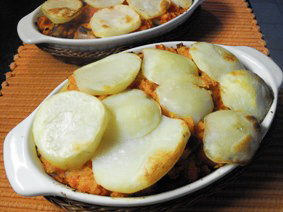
[[165, 4], [255, 123], [243, 145], [229, 57], [161, 162], [64, 12]]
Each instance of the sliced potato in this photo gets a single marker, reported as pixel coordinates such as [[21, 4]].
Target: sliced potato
[[109, 75], [214, 60], [68, 128], [183, 3], [103, 3], [149, 9], [133, 115], [185, 99], [113, 21], [230, 136], [159, 65], [61, 11], [130, 165], [191, 78], [244, 91]]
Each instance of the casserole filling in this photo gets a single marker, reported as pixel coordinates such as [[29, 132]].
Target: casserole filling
[[209, 146], [92, 19]]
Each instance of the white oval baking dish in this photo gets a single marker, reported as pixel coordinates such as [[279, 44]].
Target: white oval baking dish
[[29, 33], [27, 177]]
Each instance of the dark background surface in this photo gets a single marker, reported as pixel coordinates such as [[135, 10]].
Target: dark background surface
[[269, 14], [10, 14]]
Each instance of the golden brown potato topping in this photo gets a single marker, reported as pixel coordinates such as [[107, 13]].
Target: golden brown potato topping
[[191, 166]]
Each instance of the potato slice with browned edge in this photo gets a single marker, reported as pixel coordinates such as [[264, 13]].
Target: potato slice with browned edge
[[130, 162], [103, 3], [159, 65], [245, 91], [230, 136], [109, 75], [68, 127], [113, 21], [184, 98], [149, 9], [183, 3], [214, 60], [61, 11]]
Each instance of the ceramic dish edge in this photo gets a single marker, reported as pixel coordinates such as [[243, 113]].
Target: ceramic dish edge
[[28, 178]]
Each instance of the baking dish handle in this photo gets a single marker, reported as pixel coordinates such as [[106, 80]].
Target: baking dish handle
[[23, 168], [273, 68], [27, 30]]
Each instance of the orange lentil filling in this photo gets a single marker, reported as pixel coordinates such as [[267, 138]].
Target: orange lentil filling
[[79, 27], [79, 179], [191, 166]]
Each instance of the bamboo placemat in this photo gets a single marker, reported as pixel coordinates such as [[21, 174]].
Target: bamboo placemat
[[258, 187]]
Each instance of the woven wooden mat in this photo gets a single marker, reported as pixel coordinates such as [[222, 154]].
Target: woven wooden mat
[[259, 187]]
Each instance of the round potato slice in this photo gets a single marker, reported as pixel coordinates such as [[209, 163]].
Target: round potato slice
[[61, 11], [133, 115], [230, 136], [113, 21], [149, 9], [68, 128], [183, 3], [185, 99], [244, 91], [159, 65], [109, 75], [103, 3], [130, 165], [214, 60]]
